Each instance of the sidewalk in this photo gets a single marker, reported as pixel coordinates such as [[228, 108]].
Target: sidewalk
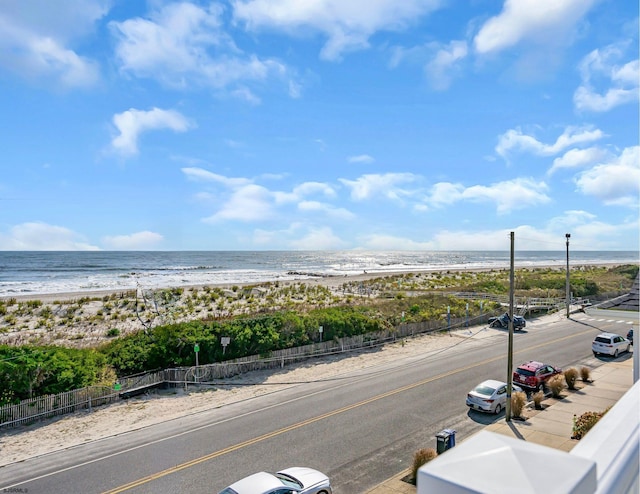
[[552, 426]]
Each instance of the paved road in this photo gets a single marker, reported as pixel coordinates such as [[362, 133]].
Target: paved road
[[359, 429]]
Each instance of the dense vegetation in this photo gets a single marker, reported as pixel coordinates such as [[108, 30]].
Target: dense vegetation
[[29, 370]]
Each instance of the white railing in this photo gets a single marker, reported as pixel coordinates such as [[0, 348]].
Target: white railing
[[614, 444]]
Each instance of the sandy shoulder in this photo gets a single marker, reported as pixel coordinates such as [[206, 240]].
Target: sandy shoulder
[[82, 427]]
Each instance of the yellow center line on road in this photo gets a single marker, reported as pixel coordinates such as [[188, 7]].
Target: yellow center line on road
[[304, 423]]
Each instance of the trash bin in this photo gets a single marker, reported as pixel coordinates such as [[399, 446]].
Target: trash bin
[[446, 439]]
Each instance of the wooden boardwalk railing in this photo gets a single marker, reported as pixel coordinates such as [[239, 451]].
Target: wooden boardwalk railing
[[28, 411]]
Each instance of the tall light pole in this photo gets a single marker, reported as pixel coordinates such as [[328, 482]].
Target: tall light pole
[[568, 294], [510, 344]]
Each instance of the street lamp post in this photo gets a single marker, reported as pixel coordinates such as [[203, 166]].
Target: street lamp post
[[568, 294]]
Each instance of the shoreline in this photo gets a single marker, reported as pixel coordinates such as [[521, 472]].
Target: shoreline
[[329, 281], [87, 319]]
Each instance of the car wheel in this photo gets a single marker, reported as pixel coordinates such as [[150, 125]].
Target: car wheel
[[615, 353], [498, 409]]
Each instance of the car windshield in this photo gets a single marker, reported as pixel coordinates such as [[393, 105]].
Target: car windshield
[[289, 481], [484, 390], [525, 372]]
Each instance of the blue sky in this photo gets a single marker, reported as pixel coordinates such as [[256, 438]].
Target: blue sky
[[324, 124]]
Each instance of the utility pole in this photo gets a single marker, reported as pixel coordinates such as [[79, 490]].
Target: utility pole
[[510, 350], [568, 294]]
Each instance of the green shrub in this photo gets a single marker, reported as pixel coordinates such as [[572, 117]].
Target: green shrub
[[556, 385], [421, 457], [571, 376], [113, 332], [518, 401], [585, 374]]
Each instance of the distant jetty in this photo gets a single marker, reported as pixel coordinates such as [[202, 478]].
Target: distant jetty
[[313, 275]]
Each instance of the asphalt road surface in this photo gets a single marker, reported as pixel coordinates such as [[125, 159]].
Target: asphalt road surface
[[359, 429]]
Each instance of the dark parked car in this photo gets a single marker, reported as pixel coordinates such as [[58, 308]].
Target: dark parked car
[[630, 336], [503, 321]]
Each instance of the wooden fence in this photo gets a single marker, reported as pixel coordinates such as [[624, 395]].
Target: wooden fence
[[280, 358], [28, 411]]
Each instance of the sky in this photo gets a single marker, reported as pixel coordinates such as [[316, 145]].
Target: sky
[[319, 125]]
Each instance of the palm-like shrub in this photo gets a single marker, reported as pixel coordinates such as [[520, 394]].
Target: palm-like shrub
[[537, 398], [585, 374], [518, 400], [556, 384], [571, 376]]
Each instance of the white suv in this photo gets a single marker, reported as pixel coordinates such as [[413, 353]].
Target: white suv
[[610, 344]]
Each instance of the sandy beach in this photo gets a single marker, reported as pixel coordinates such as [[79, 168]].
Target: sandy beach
[[84, 319], [90, 318]]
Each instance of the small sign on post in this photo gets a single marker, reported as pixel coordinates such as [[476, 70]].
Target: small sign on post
[[320, 330], [225, 340], [196, 349]]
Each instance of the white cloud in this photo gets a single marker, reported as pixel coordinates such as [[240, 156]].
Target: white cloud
[[541, 22], [510, 195], [136, 241], [318, 239], [201, 175], [587, 233], [619, 83], [360, 158], [441, 69], [132, 123], [245, 94], [328, 209], [309, 188], [183, 44], [37, 37], [385, 185], [444, 193], [348, 25], [516, 140], [247, 203], [41, 236], [576, 158], [303, 190], [616, 182]]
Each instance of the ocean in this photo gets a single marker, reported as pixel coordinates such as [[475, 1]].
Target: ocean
[[33, 273]]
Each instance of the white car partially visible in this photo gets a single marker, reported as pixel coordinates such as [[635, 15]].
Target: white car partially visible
[[610, 344], [490, 396], [300, 480]]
